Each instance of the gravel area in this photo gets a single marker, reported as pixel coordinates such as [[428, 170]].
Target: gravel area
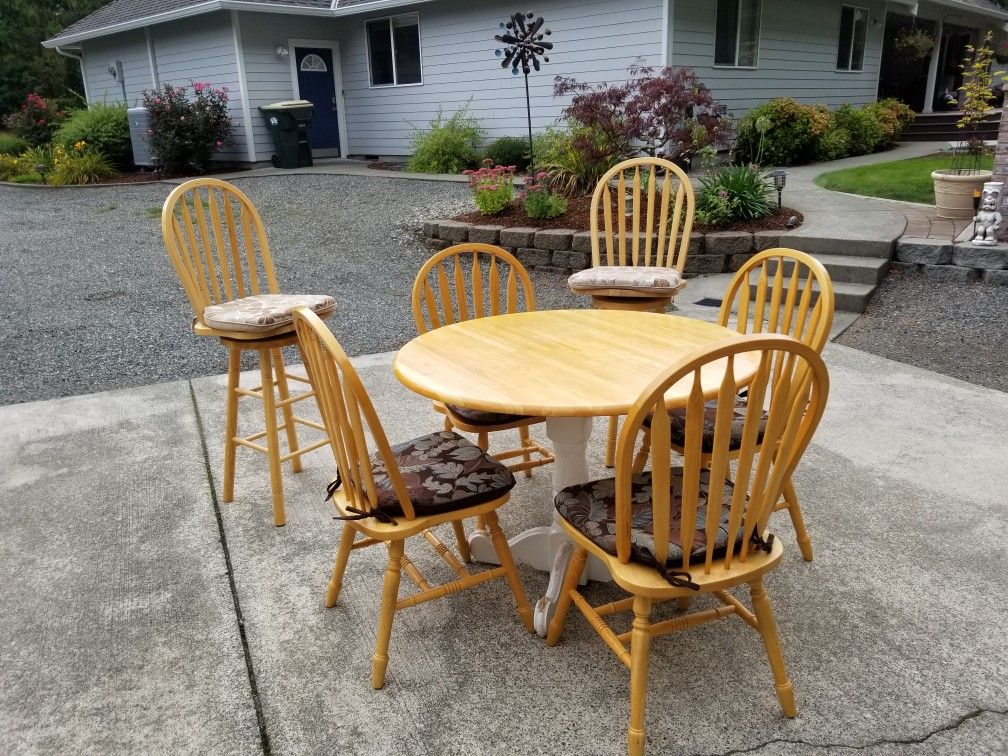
[[959, 329], [95, 303]]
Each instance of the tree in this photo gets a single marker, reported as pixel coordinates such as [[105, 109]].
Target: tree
[[25, 66]]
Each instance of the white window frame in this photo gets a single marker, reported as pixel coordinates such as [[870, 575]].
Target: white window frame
[[738, 37], [395, 73], [850, 52]]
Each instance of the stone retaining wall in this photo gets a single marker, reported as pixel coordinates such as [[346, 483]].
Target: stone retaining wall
[[944, 261], [567, 250]]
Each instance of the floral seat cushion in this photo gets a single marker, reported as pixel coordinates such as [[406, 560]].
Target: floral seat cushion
[[677, 425], [481, 417], [591, 508], [637, 278], [263, 312], [442, 472]]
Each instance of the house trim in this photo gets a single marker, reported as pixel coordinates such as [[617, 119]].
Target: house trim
[[666, 34], [80, 62], [151, 59], [337, 73], [243, 86]]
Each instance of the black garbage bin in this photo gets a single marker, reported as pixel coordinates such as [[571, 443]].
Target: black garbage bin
[[288, 122]]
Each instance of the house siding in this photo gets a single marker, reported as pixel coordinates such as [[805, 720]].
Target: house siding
[[797, 54], [131, 49]]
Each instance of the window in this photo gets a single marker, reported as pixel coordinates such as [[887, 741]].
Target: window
[[736, 33], [853, 31], [313, 62], [394, 50]]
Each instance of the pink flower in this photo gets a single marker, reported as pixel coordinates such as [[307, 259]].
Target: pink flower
[[220, 143], [541, 175], [157, 100], [41, 121], [181, 118], [198, 86]]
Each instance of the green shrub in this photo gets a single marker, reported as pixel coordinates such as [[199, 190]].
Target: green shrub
[[574, 157], [101, 127], [27, 178], [35, 121], [509, 150], [539, 202], [492, 187], [894, 117], [862, 127], [38, 156], [833, 145], [447, 145], [10, 166], [186, 130], [736, 192], [12, 145], [80, 165], [781, 132]]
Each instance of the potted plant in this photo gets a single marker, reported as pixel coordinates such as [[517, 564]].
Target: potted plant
[[954, 187], [914, 44]]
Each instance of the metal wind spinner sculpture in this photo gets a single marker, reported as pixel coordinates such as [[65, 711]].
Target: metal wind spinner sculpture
[[525, 43]]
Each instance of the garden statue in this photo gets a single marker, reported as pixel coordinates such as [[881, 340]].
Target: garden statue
[[525, 44], [988, 218]]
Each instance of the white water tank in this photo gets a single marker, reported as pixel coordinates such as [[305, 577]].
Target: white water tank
[[139, 123]]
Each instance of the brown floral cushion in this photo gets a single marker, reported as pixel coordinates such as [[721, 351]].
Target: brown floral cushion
[[591, 508], [481, 417], [263, 312], [628, 277], [677, 425], [442, 471]]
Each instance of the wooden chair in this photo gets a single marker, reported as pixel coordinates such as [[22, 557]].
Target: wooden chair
[[777, 291], [218, 247], [382, 496], [464, 282], [644, 258], [674, 532]]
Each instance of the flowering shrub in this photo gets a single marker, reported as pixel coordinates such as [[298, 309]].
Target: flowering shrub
[[737, 192], [539, 201], [35, 122], [492, 186], [81, 164], [186, 130]]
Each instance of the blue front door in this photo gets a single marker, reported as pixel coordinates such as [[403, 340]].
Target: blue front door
[[317, 85]]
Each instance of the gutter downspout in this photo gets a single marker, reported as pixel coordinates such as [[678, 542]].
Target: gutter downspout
[[80, 61]]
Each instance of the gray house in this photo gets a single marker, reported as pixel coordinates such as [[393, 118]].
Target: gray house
[[374, 67]]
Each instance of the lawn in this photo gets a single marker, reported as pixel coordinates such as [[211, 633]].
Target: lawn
[[908, 180]]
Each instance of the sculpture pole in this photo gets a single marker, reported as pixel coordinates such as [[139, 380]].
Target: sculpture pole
[[525, 43]]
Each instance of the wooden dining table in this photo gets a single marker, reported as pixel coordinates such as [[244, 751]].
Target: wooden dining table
[[568, 366]]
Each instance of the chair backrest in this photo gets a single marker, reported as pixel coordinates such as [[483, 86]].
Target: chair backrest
[[468, 281], [797, 396], [348, 416], [656, 229], [217, 243], [783, 291]]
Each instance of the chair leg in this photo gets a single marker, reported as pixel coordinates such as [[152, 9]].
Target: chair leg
[[483, 442], [272, 442], [462, 541], [610, 446], [523, 434], [342, 555], [507, 562], [771, 641], [288, 412], [643, 453], [794, 509], [574, 569], [448, 424], [390, 594], [640, 651], [231, 423]]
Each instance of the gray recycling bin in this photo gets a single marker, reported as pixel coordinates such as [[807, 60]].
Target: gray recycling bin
[[288, 123]]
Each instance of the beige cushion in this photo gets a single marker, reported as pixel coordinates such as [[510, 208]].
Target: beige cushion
[[263, 312], [628, 278]]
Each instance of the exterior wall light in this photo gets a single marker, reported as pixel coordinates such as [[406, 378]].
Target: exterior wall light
[[282, 52]]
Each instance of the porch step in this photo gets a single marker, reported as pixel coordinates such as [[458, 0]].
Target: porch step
[[941, 127], [849, 297], [831, 246], [861, 270]]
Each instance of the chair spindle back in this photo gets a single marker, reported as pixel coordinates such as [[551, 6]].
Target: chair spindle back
[[783, 291], [468, 281], [217, 243], [793, 376], [656, 230], [348, 415]]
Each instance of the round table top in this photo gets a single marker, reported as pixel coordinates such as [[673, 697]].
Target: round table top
[[560, 363]]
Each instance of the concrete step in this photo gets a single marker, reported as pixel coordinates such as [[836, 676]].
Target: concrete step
[[849, 297], [841, 268], [839, 247]]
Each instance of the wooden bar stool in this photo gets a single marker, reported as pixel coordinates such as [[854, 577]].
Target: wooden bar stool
[[218, 247], [644, 258]]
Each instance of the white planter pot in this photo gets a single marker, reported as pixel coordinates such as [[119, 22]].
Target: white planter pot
[[954, 193]]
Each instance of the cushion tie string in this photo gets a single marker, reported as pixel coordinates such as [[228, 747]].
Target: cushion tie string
[[357, 514], [675, 577], [333, 485], [760, 543]]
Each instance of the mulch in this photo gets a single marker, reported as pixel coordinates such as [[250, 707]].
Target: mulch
[[578, 216]]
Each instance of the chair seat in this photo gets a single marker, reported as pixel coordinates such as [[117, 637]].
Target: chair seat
[[263, 312], [442, 471], [591, 508], [482, 417], [677, 425], [631, 278]]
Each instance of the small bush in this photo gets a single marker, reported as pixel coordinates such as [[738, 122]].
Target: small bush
[[103, 128], [574, 157], [833, 145], [781, 132], [80, 164], [10, 166], [185, 131], [492, 187], [539, 202], [26, 178], [12, 145], [36, 121], [893, 117], [737, 192], [447, 145], [509, 150], [861, 126]]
